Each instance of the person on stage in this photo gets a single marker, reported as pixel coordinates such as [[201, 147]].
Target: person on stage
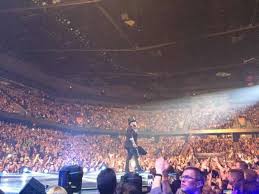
[[131, 144]]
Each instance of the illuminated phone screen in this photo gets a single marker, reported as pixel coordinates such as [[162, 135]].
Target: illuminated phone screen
[[227, 191]]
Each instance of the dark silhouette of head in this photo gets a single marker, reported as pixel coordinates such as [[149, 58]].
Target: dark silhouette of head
[[106, 181]]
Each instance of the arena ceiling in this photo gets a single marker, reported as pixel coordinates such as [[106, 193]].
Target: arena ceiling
[[157, 48]]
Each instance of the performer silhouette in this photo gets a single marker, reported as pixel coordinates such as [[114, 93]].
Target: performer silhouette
[[131, 144]]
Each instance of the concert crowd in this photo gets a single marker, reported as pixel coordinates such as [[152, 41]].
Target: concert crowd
[[27, 148]]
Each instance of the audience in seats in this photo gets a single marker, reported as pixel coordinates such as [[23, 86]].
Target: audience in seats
[[204, 113], [46, 151], [210, 164]]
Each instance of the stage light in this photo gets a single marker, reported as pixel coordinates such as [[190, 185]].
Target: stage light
[[70, 177], [85, 170], [102, 167]]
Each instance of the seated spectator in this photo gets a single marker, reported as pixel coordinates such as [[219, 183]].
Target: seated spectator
[[106, 181], [56, 190]]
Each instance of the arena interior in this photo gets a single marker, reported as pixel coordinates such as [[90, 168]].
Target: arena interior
[[80, 78]]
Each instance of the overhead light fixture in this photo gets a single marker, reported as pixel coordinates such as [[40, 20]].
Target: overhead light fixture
[[223, 74], [127, 20]]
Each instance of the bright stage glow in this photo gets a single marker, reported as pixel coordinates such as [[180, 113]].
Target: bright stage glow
[[211, 110]]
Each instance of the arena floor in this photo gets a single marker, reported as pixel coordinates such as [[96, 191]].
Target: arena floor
[[13, 183]]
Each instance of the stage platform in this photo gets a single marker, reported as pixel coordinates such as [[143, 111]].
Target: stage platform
[[13, 183]]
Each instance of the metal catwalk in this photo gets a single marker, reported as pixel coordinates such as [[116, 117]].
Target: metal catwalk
[[13, 183]]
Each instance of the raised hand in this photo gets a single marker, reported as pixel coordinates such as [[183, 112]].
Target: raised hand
[[161, 165]]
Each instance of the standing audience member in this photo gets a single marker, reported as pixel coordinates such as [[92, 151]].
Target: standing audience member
[[56, 190], [241, 165], [251, 185], [106, 181], [236, 181], [192, 181]]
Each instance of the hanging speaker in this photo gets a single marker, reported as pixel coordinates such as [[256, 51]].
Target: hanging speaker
[[236, 137]]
